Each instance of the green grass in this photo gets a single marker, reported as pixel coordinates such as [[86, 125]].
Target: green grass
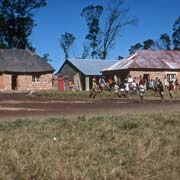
[[70, 95], [104, 94], [129, 147]]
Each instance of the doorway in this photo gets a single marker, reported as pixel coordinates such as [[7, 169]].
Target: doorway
[[146, 77], [14, 82]]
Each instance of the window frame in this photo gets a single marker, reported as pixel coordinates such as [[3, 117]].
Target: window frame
[[171, 77], [36, 78]]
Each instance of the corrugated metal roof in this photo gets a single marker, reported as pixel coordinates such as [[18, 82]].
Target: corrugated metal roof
[[149, 59], [91, 66], [22, 61]]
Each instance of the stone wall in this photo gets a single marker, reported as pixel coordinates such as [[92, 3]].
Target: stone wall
[[24, 83], [154, 74], [6, 82]]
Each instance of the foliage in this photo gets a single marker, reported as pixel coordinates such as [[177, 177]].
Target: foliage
[[176, 34], [165, 42], [92, 15], [148, 44], [86, 51], [143, 146], [46, 57], [16, 22], [136, 47], [66, 42]]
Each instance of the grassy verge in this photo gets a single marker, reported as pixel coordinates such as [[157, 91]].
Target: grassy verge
[[70, 95], [104, 94], [126, 147]]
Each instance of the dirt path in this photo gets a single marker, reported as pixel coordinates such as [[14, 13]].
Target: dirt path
[[14, 106]]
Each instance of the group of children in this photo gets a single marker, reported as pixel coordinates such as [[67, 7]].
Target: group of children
[[122, 88]]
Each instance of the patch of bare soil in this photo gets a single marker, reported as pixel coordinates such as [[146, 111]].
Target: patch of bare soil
[[14, 106]]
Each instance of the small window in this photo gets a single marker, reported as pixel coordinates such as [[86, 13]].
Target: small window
[[36, 78], [171, 77]]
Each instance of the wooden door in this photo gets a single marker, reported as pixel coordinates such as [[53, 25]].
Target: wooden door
[[14, 82], [60, 83]]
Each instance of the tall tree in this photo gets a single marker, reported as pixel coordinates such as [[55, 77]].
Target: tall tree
[[136, 47], [86, 50], [148, 44], [66, 42], [176, 34], [92, 15], [16, 22], [116, 20], [46, 57], [165, 42]]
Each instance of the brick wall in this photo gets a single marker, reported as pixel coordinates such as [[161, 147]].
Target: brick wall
[[24, 82], [1, 82], [7, 82], [154, 74]]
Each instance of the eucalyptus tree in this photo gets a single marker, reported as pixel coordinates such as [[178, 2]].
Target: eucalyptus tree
[[92, 15], [176, 34], [114, 23], [136, 47], [17, 23], [66, 41], [165, 42]]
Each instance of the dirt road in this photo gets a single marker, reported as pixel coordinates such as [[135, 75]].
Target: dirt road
[[16, 105]]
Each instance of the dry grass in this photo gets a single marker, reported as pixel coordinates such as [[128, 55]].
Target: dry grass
[[129, 147]]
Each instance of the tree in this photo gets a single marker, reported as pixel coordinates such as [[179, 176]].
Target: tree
[[115, 22], [92, 15], [136, 47], [66, 42], [176, 34], [163, 43], [16, 22], [46, 57], [86, 50], [148, 44]]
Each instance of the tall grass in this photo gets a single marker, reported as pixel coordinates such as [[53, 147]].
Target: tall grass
[[130, 147]]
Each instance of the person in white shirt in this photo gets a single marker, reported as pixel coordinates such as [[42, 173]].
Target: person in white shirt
[[141, 91], [116, 90], [134, 87]]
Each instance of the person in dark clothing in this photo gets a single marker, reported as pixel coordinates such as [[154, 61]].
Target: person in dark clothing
[[171, 88], [161, 90]]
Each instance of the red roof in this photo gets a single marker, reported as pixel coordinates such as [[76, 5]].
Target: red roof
[[149, 59]]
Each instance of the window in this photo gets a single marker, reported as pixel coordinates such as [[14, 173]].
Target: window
[[36, 78], [171, 77]]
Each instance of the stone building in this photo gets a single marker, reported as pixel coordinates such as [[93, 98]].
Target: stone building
[[150, 64], [81, 72], [22, 70]]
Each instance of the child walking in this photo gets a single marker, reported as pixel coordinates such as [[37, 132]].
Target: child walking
[[142, 91], [171, 88], [161, 90], [94, 89]]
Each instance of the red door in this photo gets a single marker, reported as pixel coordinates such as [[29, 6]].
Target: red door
[[60, 83]]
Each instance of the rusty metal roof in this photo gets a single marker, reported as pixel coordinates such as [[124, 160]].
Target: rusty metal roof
[[149, 59]]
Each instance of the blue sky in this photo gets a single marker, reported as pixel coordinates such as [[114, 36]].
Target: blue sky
[[59, 16]]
